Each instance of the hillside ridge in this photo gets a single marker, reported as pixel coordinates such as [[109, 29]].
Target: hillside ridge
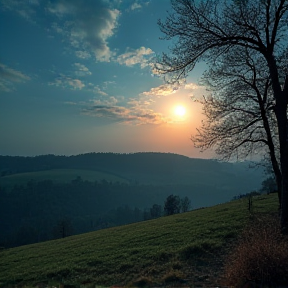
[[142, 167]]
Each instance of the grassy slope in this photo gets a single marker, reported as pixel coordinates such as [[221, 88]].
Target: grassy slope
[[156, 249], [59, 175]]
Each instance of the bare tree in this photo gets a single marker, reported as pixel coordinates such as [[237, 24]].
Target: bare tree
[[239, 114], [63, 228], [185, 204], [253, 36]]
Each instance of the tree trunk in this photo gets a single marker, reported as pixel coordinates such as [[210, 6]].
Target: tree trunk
[[281, 114], [284, 202], [277, 172], [284, 192], [275, 164], [280, 109], [279, 186]]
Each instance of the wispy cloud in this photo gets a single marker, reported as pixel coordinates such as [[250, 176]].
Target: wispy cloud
[[25, 9], [135, 6], [168, 89], [82, 54], [162, 90], [9, 76], [195, 91], [81, 70], [96, 89], [86, 27], [191, 86], [128, 115], [140, 56], [135, 111], [68, 82]]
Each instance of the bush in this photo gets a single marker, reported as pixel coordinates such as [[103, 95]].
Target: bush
[[260, 257]]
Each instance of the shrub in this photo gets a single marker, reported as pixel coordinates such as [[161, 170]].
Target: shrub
[[260, 257]]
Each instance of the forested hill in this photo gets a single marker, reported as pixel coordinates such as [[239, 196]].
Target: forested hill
[[137, 162], [144, 168]]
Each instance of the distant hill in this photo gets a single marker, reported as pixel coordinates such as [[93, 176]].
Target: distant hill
[[147, 168]]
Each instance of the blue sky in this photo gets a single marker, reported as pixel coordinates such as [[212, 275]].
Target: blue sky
[[77, 76]]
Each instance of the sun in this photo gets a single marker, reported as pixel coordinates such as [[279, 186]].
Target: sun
[[180, 110]]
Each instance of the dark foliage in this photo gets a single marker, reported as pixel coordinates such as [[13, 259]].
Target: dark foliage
[[40, 211], [185, 204], [156, 211], [172, 205]]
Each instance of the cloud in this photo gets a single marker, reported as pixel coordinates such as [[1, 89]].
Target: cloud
[[140, 103], [71, 81], [139, 56], [96, 90], [86, 27], [83, 54], [125, 114], [9, 76], [24, 8], [191, 86], [82, 70], [76, 83], [168, 89], [162, 90], [68, 82], [135, 111], [195, 91], [135, 6]]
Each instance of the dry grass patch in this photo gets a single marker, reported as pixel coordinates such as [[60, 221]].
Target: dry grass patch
[[260, 257]]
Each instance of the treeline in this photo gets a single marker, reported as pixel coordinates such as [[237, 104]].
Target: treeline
[[40, 211], [143, 162], [225, 179]]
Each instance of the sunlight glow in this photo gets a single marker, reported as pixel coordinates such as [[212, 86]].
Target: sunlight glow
[[180, 110]]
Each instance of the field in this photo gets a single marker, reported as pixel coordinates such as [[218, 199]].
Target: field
[[186, 247], [59, 175]]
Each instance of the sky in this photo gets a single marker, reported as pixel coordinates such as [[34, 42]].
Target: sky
[[77, 77]]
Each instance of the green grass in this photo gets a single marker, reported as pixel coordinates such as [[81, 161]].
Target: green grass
[[60, 176], [156, 250]]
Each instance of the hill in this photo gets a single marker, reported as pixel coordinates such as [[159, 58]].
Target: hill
[[183, 247], [147, 168]]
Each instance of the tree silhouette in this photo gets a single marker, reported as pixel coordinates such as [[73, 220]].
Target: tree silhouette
[[63, 228], [172, 205], [185, 204], [156, 211]]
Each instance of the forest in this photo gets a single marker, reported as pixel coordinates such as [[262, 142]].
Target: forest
[[39, 209]]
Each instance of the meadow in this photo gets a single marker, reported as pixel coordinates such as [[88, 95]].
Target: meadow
[[186, 248]]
